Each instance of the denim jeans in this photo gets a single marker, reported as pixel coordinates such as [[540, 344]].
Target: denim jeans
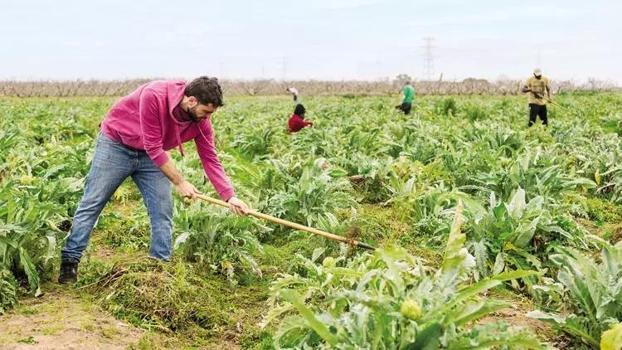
[[112, 164]]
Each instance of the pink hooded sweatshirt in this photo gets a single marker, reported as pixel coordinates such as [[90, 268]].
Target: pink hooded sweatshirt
[[144, 120]]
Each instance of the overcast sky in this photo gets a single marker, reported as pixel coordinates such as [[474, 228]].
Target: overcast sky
[[320, 39]]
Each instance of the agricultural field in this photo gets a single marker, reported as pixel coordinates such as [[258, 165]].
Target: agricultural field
[[489, 234]]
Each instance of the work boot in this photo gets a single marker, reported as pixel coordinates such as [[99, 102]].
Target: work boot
[[68, 272]]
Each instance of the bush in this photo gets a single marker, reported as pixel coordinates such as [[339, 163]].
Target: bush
[[214, 238], [391, 300], [593, 293], [447, 107]]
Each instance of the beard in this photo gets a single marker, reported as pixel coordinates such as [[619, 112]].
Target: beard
[[538, 77], [192, 113]]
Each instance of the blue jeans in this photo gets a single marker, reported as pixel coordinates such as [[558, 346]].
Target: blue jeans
[[112, 163]]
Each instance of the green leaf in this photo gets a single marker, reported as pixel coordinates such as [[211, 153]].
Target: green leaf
[[315, 324], [30, 270], [517, 204], [612, 339], [473, 312], [428, 338]]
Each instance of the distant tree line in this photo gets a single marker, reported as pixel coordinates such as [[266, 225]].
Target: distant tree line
[[470, 86]]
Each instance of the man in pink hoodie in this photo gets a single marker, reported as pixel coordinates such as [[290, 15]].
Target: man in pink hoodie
[[133, 140]]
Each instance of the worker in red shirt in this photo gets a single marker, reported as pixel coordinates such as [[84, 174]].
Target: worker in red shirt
[[297, 121]]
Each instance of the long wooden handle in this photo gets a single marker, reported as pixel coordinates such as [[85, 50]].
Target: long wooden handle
[[547, 99], [294, 225]]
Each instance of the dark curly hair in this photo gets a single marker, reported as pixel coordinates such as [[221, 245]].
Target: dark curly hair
[[206, 90]]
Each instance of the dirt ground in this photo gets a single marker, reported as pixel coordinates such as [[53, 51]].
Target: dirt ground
[[61, 320]]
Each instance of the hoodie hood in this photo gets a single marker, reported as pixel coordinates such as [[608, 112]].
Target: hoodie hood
[[174, 96]]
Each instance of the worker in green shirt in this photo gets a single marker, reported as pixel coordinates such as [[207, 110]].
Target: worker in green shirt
[[408, 94]]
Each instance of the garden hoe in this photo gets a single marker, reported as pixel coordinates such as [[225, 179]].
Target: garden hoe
[[537, 95], [293, 225]]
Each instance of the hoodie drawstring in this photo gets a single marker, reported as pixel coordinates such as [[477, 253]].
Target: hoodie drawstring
[[180, 147]]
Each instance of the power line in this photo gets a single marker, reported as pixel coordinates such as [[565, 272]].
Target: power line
[[428, 58]]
